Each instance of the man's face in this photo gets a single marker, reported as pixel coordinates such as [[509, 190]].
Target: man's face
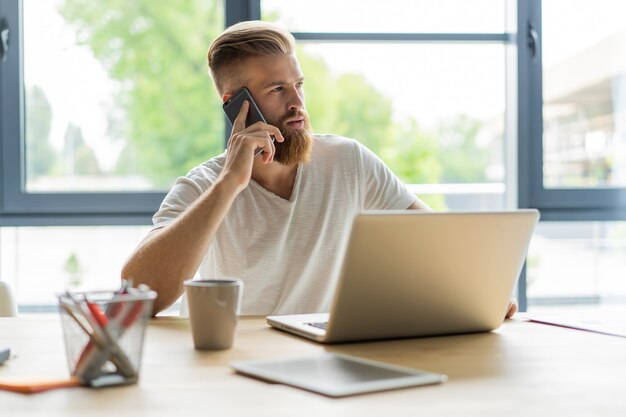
[[276, 83]]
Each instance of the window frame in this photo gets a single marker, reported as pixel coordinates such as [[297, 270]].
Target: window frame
[[524, 169], [21, 208], [555, 204], [18, 207]]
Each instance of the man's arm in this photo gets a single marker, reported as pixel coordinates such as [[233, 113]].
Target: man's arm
[[418, 205], [169, 255]]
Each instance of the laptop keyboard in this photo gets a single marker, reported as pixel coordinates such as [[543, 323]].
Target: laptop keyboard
[[319, 325]]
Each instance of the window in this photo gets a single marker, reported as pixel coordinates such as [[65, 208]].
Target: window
[[397, 16], [426, 93], [577, 154], [574, 263], [41, 262], [115, 104], [481, 104], [572, 112], [584, 95], [98, 115]]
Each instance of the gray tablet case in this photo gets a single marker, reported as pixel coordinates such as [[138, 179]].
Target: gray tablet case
[[337, 375]]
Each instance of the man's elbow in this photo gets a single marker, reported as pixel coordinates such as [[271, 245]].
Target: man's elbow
[[419, 205], [128, 271]]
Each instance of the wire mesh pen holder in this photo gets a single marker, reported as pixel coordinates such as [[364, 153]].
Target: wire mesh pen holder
[[104, 333]]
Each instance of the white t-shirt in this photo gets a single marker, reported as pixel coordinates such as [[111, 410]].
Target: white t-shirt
[[289, 252]]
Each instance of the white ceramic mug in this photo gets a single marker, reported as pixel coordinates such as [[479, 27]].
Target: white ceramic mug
[[214, 307]]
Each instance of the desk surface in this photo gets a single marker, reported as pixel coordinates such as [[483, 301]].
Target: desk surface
[[520, 369]]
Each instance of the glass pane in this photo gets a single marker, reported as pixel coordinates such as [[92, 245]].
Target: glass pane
[[435, 117], [74, 258], [422, 16], [584, 93], [117, 93], [577, 263]]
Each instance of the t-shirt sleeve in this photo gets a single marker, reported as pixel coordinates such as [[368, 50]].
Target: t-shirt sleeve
[[382, 190], [184, 192]]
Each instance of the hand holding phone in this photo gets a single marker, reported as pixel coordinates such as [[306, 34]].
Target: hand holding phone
[[233, 105]]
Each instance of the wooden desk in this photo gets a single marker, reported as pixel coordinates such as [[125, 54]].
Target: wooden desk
[[520, 369]]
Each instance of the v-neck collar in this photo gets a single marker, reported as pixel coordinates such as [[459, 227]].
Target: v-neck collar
[[294, 190]]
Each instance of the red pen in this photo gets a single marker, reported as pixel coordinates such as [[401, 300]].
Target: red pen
[[93, 357]]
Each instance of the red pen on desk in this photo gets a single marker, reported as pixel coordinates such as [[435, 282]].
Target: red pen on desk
[[112, 331]]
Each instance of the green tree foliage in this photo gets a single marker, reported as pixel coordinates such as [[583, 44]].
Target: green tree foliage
[[174, 119], [414, 159], [78, 157], [40, 156], [414, 155], [365, 113], [347, 105], [464, 160], [156, 49]]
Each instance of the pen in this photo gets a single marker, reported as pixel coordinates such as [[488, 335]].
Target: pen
[[100, 347], [118, 356], [91, 348]]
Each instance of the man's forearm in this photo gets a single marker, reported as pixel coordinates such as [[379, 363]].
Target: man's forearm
[[173, 253]]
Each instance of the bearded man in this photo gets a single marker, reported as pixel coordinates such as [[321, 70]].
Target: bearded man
[[279, 221]]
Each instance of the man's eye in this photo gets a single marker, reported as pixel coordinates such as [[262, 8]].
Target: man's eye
[[277, 89]]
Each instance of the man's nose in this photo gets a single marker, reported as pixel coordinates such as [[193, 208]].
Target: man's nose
[[296, 102]]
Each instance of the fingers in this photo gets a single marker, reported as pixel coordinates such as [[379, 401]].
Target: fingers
[[239, 124], [272, 130], [266, 151], [259, 137], [240, 120], [512, 309], [252, 144], [275, 133], [267, 156]]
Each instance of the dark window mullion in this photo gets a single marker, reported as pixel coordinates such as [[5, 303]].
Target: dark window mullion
[[11, 84], [559, 203], [240, 10], [19, 208]]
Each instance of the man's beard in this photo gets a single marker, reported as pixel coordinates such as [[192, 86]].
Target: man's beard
[[297, 146]]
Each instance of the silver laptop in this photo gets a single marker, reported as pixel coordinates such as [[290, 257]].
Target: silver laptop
[[411, 273]]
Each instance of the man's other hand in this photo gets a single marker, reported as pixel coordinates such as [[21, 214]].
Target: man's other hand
[[512, 308]]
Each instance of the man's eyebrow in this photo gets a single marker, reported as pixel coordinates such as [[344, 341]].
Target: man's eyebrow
[[278, 83]]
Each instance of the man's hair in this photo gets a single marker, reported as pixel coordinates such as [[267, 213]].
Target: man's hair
[[241, 41]]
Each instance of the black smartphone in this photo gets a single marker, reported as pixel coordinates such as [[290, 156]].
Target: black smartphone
[[232, 106]]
